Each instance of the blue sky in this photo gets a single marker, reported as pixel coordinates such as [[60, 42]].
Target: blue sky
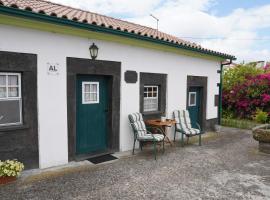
[[224, 7], [238, 27]]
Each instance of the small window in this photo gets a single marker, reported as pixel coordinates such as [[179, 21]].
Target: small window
[[150, 98], [10, 99], [192, 99], [90, 92]]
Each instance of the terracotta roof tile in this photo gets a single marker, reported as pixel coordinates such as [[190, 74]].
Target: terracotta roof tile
[[62, 11]]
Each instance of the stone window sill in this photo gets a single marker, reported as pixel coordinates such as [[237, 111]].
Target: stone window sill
[[4, 129]]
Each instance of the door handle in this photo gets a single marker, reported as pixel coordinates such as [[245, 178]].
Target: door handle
[[106, 110]]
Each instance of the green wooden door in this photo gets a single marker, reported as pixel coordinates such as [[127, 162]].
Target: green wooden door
[[91, 119], [194, 105]]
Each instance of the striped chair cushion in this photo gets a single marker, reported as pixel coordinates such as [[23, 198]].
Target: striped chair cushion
[[183, 122], [138, 125], [148, 137]]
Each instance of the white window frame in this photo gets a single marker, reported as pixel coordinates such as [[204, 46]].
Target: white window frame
[[153, 86], [83, 92], [7, 98], [195, 99]]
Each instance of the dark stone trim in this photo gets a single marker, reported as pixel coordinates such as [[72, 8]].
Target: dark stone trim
[[79, 66], [131, 77], [21, 141], [199, 81], [154, 79], [210, 124], [12, 128]]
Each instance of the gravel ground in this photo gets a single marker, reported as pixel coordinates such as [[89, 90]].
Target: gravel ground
[[226, 167]]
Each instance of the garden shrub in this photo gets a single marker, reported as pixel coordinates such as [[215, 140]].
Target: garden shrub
[[261, 116], [227, 114], [245, 91]]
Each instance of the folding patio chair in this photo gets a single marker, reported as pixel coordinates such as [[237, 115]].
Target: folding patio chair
[[183, 126], [142, 134]]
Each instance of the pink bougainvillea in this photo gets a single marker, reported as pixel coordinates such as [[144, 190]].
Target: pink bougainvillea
[[252, 94], [265, 98]]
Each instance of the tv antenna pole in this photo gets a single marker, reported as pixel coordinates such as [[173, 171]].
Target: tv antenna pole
[[155, 19]]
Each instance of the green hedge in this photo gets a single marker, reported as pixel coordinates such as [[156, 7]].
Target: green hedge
[[238, 123]]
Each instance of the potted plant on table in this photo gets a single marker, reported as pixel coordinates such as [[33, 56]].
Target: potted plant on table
[[9, 170]]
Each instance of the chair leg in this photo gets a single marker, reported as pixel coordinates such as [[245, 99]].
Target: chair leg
[[174, 135], [182, 140], [200, 140], [163, 145], [133, 147], [187, 139], [155, 150], [141, 144]]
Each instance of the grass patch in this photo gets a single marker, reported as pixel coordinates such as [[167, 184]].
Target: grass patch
[[239, 123]]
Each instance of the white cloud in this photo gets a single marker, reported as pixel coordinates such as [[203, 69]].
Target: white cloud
[[193, 19], [239, 28], [121, 7]]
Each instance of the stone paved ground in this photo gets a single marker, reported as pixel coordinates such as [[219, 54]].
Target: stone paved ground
[[226, 167]]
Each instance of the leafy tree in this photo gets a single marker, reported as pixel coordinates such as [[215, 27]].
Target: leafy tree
[[237, 75]]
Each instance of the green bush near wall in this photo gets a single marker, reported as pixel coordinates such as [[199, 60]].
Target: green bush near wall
[[238, 123]]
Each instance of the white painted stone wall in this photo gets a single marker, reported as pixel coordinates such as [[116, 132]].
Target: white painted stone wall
[[52, 97]]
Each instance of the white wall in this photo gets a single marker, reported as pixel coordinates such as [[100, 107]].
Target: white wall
[[52, 101]]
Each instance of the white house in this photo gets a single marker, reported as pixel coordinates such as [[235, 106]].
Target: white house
[[57, 104]]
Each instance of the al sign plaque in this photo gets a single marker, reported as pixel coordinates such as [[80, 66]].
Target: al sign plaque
[[52, 68]]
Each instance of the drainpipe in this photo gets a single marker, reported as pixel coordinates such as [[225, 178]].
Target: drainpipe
[[220, 90]]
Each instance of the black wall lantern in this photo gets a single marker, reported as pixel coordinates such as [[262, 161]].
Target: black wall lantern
[[93, 51]]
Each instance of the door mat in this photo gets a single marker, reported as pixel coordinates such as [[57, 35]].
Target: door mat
[[101, 159]]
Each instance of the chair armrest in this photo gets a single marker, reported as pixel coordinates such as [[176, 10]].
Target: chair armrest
[[148, 132]]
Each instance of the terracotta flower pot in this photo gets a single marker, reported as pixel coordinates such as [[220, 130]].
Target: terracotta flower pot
[[7, 179]]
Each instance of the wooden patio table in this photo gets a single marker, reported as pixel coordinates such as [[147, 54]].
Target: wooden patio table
[[162, 125]]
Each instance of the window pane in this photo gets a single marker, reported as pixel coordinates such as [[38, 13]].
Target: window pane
[[93, 97], [10, 112], [2, 80], [192, 99], [87, 88], [13, 80], [93, 88], [87, 97], [155, 104], [150, 105], [2, 92], [13, 92], [150, 98], [145, 89]]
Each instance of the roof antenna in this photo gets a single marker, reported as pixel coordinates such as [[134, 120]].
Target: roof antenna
[[155, 19]]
